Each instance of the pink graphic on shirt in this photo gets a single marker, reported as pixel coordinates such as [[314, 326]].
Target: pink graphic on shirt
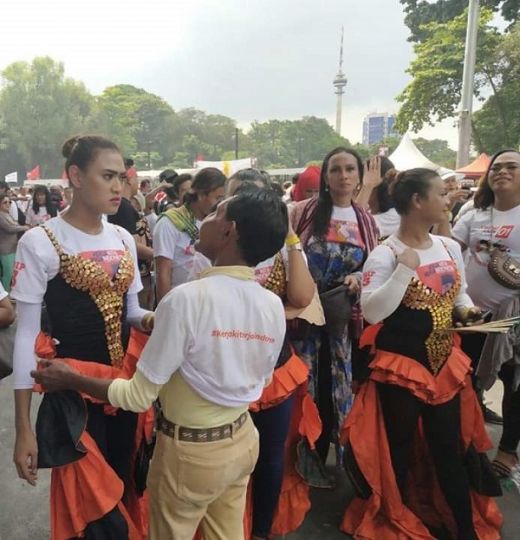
[[344, 232], [440, 276], [262, 274], [367, 277], [504, 231], [108, 259]]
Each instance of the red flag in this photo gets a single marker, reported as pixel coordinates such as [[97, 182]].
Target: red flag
[[34, 174], [199, 157]]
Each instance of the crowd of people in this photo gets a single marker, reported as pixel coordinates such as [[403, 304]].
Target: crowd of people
[[202, 346]]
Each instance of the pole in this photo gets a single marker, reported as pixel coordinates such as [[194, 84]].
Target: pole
[[467, 84], [236, 143]]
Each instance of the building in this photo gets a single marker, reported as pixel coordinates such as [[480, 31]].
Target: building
[[377, 127]]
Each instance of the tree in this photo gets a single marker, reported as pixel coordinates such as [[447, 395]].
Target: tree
[[497, 124], [423, 12], [435, 90], [292, 143], [40, 108], [140, 122], [438, 151]]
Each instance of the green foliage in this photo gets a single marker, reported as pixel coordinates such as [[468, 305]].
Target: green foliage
[[497, 124], [437, 151], [423, 12], [40, 108], [435, 90]]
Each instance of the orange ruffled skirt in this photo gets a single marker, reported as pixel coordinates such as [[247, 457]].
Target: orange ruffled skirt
[[383, 516], [87, 489]]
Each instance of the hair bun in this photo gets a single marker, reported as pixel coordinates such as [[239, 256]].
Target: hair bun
[[68, 146]]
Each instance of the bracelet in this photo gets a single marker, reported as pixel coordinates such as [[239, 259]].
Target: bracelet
[[292, 240], [295, 247], [148, 321]]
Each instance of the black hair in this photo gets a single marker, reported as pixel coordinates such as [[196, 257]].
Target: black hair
[[278, 189], [324, 205], [51, 208], [382, 192], [179, 180], [81, 150], [205, 181], [251, 175], [409, 183], [485, 197], [168, 175], [144, 182], [4, 185], [129, 162], [261, 221]]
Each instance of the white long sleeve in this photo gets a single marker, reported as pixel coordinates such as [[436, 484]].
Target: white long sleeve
[[134, 312], [380, 303], [27, 329]]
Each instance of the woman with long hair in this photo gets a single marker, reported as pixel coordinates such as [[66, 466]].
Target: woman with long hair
[[490, 233], [415, 438], [177, 230], [85, 270], [337, 236], [42, 207]]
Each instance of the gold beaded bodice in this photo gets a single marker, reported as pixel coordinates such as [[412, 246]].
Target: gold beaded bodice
[[106, 292], [440, 306], [277, 280]]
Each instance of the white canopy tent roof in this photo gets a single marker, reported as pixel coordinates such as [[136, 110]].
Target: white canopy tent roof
[[408, 156]]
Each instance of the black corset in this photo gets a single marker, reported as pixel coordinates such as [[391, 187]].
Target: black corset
[[77, 324]]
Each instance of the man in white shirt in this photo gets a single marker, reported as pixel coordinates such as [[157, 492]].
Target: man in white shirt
[[213, 349]]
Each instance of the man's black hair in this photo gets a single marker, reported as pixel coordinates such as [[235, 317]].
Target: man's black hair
[[261, 220]]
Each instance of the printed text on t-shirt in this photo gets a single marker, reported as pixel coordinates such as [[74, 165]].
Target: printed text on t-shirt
[[240, 334]]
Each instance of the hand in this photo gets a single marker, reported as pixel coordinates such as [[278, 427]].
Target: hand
[[409, 258], [26, 456], [460, 195], [353, 285], [469, 317], [372, 173], [53, 375]]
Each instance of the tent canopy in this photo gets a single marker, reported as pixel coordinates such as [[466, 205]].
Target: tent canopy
[[477, 168], [408, 156]]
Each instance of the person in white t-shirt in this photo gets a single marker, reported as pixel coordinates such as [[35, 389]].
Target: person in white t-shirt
[[418, 393], [7, 314], [85, 270], [374, 195], [176, 232], [495, 222], [41, 208], [213, 349]]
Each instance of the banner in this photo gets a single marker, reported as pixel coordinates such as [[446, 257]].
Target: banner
[[227, 167], [34, 174], [12, 178]]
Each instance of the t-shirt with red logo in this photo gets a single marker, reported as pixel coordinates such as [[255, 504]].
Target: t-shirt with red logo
[[344, 227], [481, 230], [37, 260]]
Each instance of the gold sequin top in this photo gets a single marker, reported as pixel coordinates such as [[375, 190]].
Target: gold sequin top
[[107, 293], [440, 306], [277, 280]]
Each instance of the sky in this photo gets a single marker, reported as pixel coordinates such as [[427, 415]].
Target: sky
[[247, 59]]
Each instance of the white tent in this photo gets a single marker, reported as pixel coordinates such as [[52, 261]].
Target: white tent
[[408, 156]]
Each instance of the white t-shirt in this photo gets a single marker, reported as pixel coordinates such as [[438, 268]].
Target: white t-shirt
[[3, 293], [344, 227], [387, 222], [13, 210], [170, 243], [479, 226], [437, 270], [151, 219], [33, 219], [222, 333], [37, 260]]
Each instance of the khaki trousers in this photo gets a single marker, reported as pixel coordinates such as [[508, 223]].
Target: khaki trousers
[[201, 483]]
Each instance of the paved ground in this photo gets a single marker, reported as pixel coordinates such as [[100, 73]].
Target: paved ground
[[24, 510]]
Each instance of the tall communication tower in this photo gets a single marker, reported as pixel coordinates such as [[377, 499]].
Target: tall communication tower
[[339, 84]]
